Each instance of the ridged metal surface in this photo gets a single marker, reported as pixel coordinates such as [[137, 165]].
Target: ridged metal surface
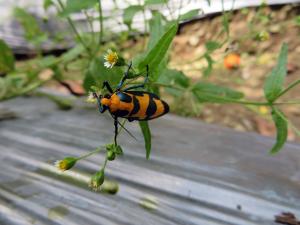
[[12, 32], [198, 173]]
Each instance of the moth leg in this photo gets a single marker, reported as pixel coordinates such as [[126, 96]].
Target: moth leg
[[116, 129], [124, 77], [140, 85], [107, 85]]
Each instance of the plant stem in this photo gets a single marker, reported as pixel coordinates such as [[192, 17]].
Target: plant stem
[[90, 23], [75, 30], [90, 153], [104, 165], [234, 100], [295, 83], [101, 23]]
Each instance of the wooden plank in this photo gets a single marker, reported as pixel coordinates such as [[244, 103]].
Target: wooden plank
[[197, 174]]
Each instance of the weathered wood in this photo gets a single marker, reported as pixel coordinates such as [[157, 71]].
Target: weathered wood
[[197, 174]]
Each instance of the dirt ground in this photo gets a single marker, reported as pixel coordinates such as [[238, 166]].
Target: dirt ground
[[258, 55]]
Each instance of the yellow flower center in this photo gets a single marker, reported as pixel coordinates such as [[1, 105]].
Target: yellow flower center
[[62, 165], [112, 58]]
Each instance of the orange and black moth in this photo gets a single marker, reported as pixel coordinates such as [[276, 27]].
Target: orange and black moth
[[131, 104]]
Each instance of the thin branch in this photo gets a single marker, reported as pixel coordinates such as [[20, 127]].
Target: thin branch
[[75, 30]]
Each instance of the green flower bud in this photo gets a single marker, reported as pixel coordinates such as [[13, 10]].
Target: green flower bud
[[65, 164], [97, 180], [110, 155], [263, 36], [119, 150]]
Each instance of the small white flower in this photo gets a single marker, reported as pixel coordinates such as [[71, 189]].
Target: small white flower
[[111, 59]]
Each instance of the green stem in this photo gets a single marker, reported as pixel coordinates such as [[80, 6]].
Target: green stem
[[90, 23], [286, 103], [101, 23], [234, 100], [90, 153], [104, 165], [295, 83], [75, 30], [25, 90]]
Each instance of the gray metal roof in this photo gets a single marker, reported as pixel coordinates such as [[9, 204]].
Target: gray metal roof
[[12, 33], [198, 173]]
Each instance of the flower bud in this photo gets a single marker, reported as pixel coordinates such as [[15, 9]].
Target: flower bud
[[65, 164], [97, 180], [110, 155]]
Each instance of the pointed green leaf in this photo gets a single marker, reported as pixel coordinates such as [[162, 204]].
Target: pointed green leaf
[[73, 6], [47, 4], [212, 45], [174, 77], [190, 14], [7, 59], [159, 50], [274, 82], [72, 54], [97, 73], [153, 2], [147, 136], [129, 13], [156, 29], [207, 71], [282, 130], [207, 92], [32, 30]]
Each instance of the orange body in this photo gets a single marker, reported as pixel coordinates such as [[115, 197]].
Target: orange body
[[135, 105]]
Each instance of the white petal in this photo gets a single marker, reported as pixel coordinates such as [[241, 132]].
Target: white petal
[[107, 65]]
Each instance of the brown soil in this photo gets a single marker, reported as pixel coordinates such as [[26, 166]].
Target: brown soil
[[258, 57]]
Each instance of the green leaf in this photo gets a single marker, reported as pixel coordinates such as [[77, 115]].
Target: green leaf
[[207, 92], [157, 29], [147, 136], [72, 54], [33, 33], [97, 73], [297, 20], [212, 45], [174, 77], [47, 61], [7, 59], [274, 82], [190, 14], [129, 13], [159, 50], [47, 4], [210, 62], [74, 6], [282, 130], [153, 2], [226, 22]]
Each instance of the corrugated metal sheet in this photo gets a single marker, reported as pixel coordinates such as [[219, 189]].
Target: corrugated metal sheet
[[198, 173]]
